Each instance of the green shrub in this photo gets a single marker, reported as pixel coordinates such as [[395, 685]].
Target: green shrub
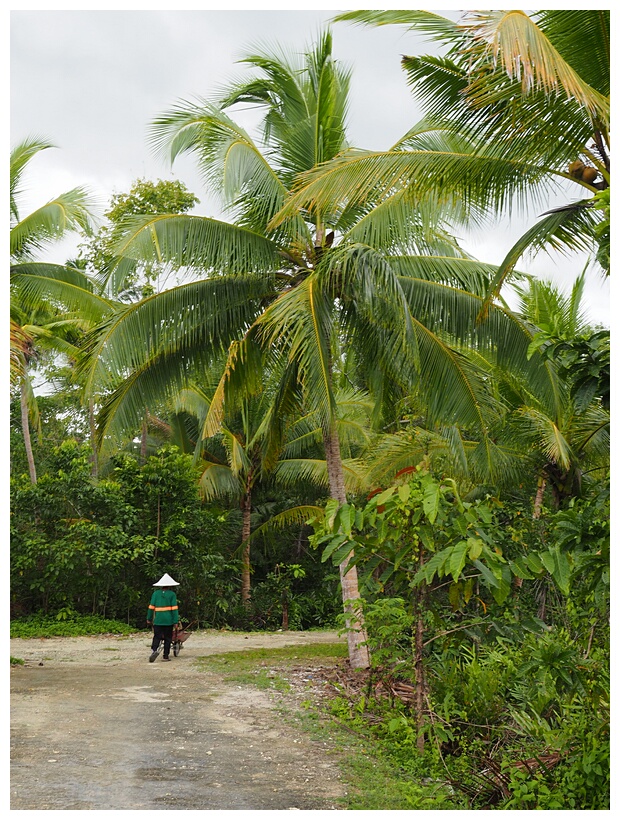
[[67, 625]]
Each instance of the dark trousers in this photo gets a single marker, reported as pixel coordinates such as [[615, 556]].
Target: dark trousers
[[164, 633]]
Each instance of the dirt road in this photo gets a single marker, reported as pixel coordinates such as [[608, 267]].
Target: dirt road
[[95, 726]]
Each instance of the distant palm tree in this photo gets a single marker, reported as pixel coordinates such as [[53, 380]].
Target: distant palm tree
[[563, 444], [238, 453], [29, 236], [552, 442]]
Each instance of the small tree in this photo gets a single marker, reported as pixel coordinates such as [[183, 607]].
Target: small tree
[[419, 540]]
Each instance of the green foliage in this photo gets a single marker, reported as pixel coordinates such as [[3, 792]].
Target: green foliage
[[516, 637], [144, 197], [389, 623], [602, 202], [584, 362], [71, 626], [96, 545]]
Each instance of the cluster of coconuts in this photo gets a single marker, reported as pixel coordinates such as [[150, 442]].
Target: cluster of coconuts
[[580, 170]]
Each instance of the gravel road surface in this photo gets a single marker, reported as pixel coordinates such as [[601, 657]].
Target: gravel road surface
[[94, 725]]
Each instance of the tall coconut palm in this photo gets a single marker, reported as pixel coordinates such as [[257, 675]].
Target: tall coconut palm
[[383, 278], [29, 236]]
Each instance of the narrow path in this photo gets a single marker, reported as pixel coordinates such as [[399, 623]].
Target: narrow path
[[95, 726]]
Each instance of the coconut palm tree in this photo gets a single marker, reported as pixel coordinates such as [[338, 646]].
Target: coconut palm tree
[[29, 236], [381, 284], [238, 453], [566, 444]]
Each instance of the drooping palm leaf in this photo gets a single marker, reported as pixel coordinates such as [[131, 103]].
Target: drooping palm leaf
[[528, 55], [21, 155], [68, 212], [564, 229], [38, 282]]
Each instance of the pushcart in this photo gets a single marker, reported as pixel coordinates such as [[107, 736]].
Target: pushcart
[[180, 634]]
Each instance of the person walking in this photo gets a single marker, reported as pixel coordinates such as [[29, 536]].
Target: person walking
[[163, 614]]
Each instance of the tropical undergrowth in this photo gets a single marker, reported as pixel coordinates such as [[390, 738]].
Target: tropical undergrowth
[[94, 546], [489, 639]]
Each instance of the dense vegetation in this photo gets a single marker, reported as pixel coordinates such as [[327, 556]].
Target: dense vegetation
[[332, 416]]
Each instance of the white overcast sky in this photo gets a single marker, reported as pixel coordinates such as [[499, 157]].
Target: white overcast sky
[[91, 81]]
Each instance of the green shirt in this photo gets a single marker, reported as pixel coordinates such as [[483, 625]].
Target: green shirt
[[163, 609]]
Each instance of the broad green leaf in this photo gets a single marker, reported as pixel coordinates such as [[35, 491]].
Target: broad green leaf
[[454, 596], [488, 576], [502, 591], [548, 560], [343, 552], [384, 496], [426, 537], [331, 547], [475, 548], [468, 590], [562, 571], [404, 491], [534, 563], [519, 568], [331, 510], [345, 517], [457, 559], [431, 501], [434, 565]]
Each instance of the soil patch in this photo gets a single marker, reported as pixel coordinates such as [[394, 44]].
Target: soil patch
[[95, 726]]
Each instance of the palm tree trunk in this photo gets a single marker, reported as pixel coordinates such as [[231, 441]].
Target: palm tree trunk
[[540, 492], [246, 511], [26, 433], [359, 657], [93, 437], [143, 442]]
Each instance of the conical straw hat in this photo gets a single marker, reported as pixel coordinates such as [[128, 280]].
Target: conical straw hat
[[166, 581]]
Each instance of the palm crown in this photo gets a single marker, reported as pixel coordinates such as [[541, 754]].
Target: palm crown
[[382, 277]]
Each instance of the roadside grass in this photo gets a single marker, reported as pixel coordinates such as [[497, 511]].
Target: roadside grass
[[372, 780], [17, 661], [265, 668]]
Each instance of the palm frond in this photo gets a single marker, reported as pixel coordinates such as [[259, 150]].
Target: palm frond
[[583, 38], [219, 481], [295, 516], [476, 182], [290, 471], [200, 244], [21, 155], [68, 212], [192, 322], [34, 283], [527, 55], [542, 431], [433, 25], [565, 229], [299, 324]]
